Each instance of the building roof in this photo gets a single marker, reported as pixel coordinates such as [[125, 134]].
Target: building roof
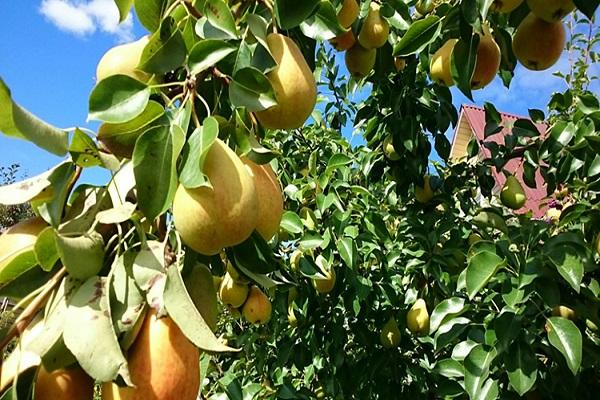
[[472, 122]]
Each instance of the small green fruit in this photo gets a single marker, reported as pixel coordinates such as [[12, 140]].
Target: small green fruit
[[417, 319], [390, 334], [513, 195]]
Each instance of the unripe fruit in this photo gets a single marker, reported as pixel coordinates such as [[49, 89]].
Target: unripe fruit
[[389, 150], [538, 44], [293, 83], [439, 67], [123, 60], [417, 319], [488, 60], [424, 7], [375, 29], [325, 285], [506, 6], [348, 13], [424, 193], [233, 293], [257, 308], [344, 41], [512, 194], [163, 364], [18, 240], [565, 312], [399, 63], [551, 10], [390, 334], [360, 61], [63, 384]]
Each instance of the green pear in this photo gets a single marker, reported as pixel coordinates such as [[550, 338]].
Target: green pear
[[417, 319], [390, 334], [389, 150], [82, 256], [360, 61], [512, 194]]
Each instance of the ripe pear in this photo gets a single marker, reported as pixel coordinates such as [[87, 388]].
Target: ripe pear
[[390, 334], [201, 288], [270, 198], [538, 44], [343, 42], [389, 150], [439, 67], [293, 83], [488, 60], [123, 60], [375, 29], [417, 318], [209, 219], [506, 6], [325, 285], [565, 312], [163, 364], [424, 7], [348, 13], [512, 194], [257, 308], [63, 384], [424, 193], [360, 61], [18, 240], [551, 10], [233, 293]]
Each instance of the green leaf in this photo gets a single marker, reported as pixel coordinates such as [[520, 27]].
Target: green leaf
[[564, 335], [118, 98], [521, 366], [60, 179], [199, 143], [83, 150], [182, 310], [219, 15], [17, 264], [291, 222], [420, 34], [464, 58], [477, 370], [348, 251], [150, 12], [290, 13], [28, 189], [46, 252], [250, 88], [124, 6], [322, 25], [254, 254], [17, 122], [207, 53], [449, 331], [569, 263], [155, 172], [481, 268], [95, 347], [449, 368], [446, 309], [337, 161], [165, 51]]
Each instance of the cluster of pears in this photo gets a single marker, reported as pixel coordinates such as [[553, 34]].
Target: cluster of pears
[[512, 194], [244, 197], [361, 50], [237, 294], [417, 322], [325, 281]]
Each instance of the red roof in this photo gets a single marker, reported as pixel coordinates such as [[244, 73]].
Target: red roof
[[536, 198]]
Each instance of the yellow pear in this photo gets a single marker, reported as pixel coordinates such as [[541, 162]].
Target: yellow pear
[[19, 239], [390, 334], [123, 60], [270, 198], [233, 293], [424, 7], [399, 63], [257, 308], [551, 10], [506, 6], [360, 61], [344, 41], [209, 219], [295, 259], [348, 13], [538, 44], [63, 384], [424, 193], [325, 285], [512, 194], [417, 318], [488, 60], [375, 29], [389, 150], [293, 83], [565, 312], [439, 67]]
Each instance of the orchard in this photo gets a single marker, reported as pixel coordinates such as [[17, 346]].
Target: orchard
[[244, 249]]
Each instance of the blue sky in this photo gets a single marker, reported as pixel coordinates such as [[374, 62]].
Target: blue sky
[[50, 49]]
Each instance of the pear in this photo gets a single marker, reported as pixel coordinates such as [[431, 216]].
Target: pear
[[123, 60], [506, 6], [348, 13], [325, 285], [209, 219], [439, 67], [538, 44], [474, 238], [375, 29], [343, 42], [163, 364], [82, 256], [512, 194], [233, 293], [270, 198], [360, 61], [565, 312], [488, 60], [257, 308], [63, 384], [293, 83], [295, 259], [424, 193], [399, 63], [17, 241], [390, 334], [201, 288], [417, 318], [389, 150], [424, 7], [551, 10]]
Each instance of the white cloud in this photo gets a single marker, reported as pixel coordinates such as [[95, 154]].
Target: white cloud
[[84, 18]]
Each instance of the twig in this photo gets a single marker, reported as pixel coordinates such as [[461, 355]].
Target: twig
[[220, 75]]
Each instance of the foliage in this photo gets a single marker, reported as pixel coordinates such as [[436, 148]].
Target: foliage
[[10, 215]]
